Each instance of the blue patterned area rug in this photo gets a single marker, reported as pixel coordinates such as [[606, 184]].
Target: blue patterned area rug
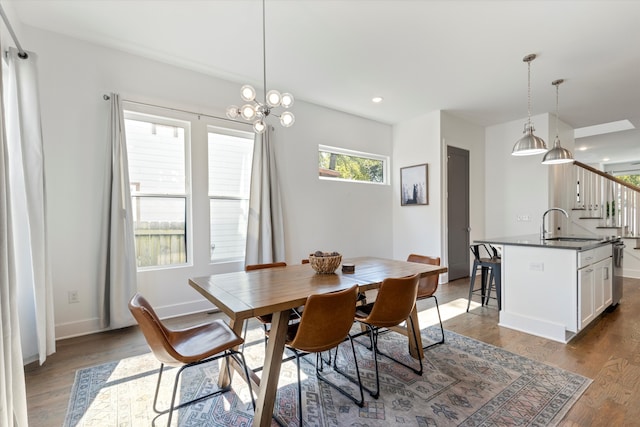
[[465, 383]]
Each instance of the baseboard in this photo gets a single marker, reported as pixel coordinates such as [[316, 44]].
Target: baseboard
[[92, 326]]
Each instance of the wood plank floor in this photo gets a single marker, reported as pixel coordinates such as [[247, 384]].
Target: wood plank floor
[[607, 352]]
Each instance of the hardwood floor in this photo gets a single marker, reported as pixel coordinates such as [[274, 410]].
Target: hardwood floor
[[607, 352]]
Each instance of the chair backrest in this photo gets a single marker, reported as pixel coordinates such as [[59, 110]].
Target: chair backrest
[[326, 320], [394, 302], [428, 285], [492, 255], [251, 267], [155, 333]]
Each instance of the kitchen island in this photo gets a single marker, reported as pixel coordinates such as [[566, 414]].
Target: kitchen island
[[554, 287]]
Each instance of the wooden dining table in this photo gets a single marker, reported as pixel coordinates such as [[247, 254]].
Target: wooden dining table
[[243, 295]]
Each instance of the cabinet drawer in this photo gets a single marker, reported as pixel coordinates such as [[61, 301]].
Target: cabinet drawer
[[594, 255]]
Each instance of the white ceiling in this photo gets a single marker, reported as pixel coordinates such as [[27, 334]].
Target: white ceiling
[[461, 56]]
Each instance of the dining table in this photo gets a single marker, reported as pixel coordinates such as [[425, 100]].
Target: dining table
[[243, 295]]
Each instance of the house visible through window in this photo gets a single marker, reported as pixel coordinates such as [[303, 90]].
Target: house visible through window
[[166, 183], [230, 155], [348, 165], [157, 155]]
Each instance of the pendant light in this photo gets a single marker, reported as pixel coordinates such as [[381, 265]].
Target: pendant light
[[557, 154], [258, 111], [529, 144]]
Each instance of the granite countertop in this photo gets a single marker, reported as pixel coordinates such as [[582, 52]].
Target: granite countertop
[[572, 242]]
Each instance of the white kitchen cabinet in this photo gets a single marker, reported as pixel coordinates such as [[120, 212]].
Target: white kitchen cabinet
[[594, 284]]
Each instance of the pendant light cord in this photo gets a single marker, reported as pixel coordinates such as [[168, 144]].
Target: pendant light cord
[[557, 107], [264, 54], [529, 90]]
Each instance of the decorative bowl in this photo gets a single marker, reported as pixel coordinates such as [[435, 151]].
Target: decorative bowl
[[326, 264]]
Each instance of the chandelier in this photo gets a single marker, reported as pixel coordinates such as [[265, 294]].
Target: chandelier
[[529, 144], [258, 111], [557, 154]]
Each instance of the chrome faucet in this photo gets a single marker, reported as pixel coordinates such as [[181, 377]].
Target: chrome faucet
[[543, 232]]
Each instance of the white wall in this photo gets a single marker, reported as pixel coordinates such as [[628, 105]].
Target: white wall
[[351, 218], [516, 186], [417, 229]]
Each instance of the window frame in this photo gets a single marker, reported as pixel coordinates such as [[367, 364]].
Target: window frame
[[239, 134], [353, 153], [132, 113]]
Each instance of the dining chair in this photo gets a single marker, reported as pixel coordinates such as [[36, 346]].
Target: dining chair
[[325, 324], [393, 305], [185, 348], [266, 319], [427, 287]]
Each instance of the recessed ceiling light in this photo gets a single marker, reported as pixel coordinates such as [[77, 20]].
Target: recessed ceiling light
[[376, 99], [582, 148], [603, 128], [606, 159]]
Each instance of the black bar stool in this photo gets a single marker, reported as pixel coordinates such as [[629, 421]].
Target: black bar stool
[[490, 266]]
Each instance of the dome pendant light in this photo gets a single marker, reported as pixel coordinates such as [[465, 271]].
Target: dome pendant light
[[557, 154], [529, 144]]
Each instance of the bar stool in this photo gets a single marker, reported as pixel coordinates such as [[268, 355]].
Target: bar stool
[[490, 266]]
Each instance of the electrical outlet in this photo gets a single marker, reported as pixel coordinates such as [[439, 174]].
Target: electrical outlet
[[73, 297], [536, 266]]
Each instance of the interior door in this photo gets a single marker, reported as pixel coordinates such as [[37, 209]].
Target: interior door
[[458, 212]]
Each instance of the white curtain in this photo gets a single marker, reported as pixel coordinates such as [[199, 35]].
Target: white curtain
[[265, 230], [118, 275], [25, 279]]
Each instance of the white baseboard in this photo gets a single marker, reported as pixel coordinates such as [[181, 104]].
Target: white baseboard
[[92, 326]]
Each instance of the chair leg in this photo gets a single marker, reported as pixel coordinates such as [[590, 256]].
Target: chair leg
[[299, 387], [472, 284], [441, 327], [360, 402], [173, 406]]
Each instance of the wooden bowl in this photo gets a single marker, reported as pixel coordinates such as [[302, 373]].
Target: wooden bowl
[[325, 264]]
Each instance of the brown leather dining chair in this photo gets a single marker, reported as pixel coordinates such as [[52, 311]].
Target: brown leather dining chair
[[427, 287], [393, 305], [325, 324], [267, 318], [185, 348]]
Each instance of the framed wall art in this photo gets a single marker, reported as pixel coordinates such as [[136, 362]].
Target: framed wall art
[[414, 185]]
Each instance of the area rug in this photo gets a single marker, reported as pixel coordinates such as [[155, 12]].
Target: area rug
[[465, 383]]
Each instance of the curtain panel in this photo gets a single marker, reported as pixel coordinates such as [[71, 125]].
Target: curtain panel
[[118, 281], [265, 228]]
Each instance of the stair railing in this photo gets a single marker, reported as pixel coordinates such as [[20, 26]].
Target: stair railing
[[607, 198]]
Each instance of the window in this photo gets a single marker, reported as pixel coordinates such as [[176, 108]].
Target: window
[[348, 165], [157, 153], [230, 155], [189, 178]]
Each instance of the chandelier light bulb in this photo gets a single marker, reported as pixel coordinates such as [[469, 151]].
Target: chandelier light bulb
[[287, 119], [287, 100], [233, 111], [248, 112], [273, 98], [247, 93], [259, 126]]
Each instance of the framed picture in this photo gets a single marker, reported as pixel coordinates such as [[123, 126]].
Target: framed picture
[[414, 185]]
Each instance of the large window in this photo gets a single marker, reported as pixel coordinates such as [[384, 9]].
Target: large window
[[157, 152], [230, 155], [190, 179], [349, 165]]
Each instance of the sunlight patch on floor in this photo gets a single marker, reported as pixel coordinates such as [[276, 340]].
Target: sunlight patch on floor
[[448, 310]]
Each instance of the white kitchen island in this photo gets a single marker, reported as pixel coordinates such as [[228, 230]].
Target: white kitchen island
[[554, 288]]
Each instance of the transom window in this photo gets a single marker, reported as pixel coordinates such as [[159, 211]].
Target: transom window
[[348, 165]]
